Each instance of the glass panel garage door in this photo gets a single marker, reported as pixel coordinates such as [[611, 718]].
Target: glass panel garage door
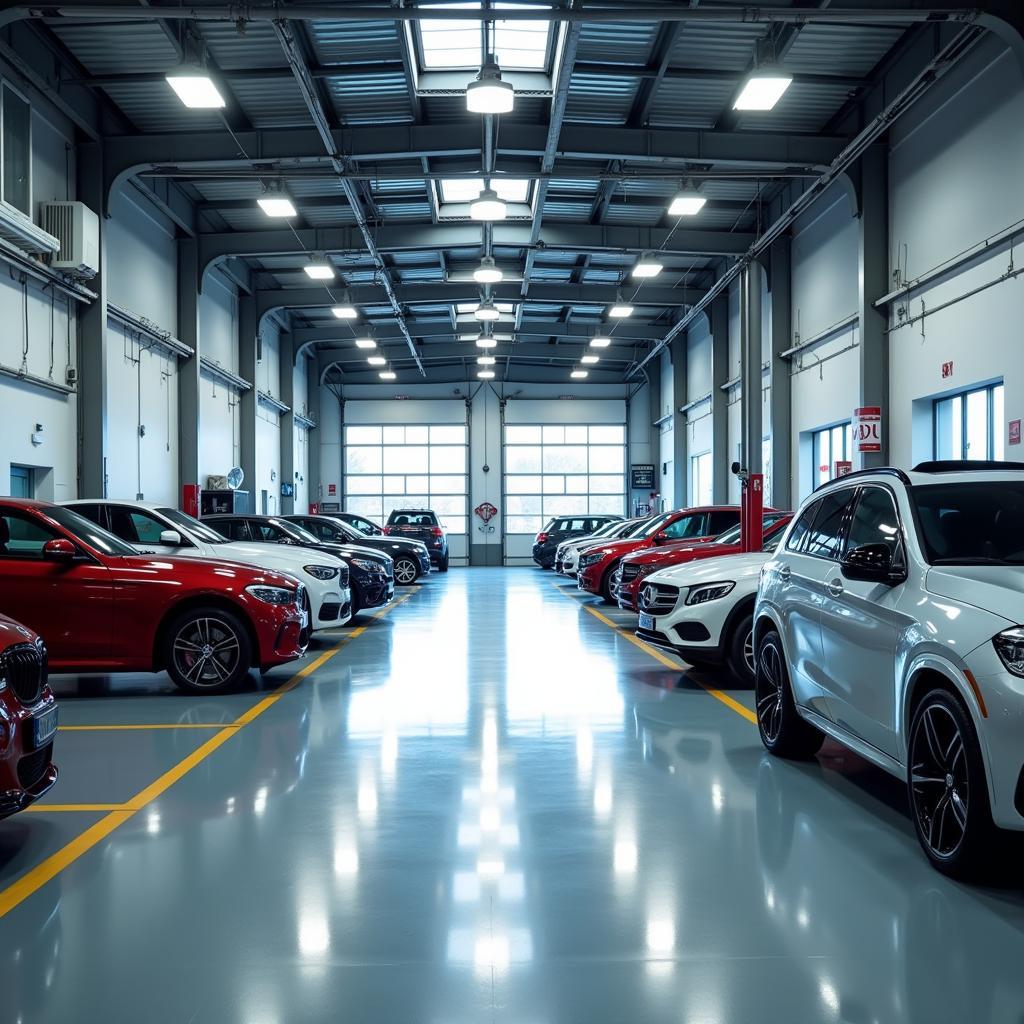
[[388, 467], [562, 470]]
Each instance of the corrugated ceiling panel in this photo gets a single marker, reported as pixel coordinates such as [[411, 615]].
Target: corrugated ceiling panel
[[410, 210], [229, 189], [414, 259], [371, 98], [841, 50], [153, 107], [724, 188], [256, 47], [572, 186], [326, 186], [627, 213], [271, 103], [617, 42], [693, 103], [721, 47], [117, 48], [558, 274], [327, 216], [251, 219], [600, 99], [566, 210], [662, 188], [805, 107], [340, 42]]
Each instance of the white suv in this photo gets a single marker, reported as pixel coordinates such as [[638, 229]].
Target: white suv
[[890, 618]]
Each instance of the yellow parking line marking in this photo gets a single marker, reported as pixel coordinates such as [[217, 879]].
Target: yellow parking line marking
[[43, 808], [150, 725], [35, 878], [729, 702]]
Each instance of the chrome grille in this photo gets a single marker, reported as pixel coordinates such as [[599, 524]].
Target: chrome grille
[[24, 668], [657, 598], [630, 572]]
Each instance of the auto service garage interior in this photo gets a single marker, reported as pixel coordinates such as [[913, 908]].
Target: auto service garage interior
[[333, 333]]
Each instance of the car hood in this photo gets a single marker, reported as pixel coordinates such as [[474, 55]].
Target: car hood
[[618, 548], [996, 589], [674, 554], [12, 632], [226, 572], [358, 551], [736, 567]]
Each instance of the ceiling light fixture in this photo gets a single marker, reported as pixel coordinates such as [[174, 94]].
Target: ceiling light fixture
[[377, 361], [762, 90], [345, 312], [486, 341], [686, 203], [386, 375], [195, 88], [488, 93], [485, 360], [365, 343], [487, 312], [578, 374], [319, 269], [621, 309], [647, 266], [488, 206], [275, 202], [485, 374], [488, 272], [600, 341], [590, 360]]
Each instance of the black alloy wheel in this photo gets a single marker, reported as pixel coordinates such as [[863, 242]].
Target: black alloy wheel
[[443, 567], [741, 650], [406, 571], [783, 732], [208, 651]]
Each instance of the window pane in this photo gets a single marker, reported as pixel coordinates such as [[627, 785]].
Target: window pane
[[395, 485], [448, 435], [522, 485], [448, 459], [606, 485], [822, 457], [449, 504], [405, 460], [875, 521], [454, 524], [554, 484], [565, 459], [416, 435], [948, 428], [394, 435], [554, 435], [522, 460], [576, 485], [607, 459], [363, 485], [608, 435], [608, 503], [522, 504], [362, 460], [568, 504], [977, 425], [823, 539], [417, 484], [575, 435], [362, 435], [447, 485], [522, 435], [17, 158], [523, 524], [371, 508]]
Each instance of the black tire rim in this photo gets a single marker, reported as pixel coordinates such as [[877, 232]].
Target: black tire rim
[[770, 682], [206, 652], [939, 780], [405, 572], [748, 652]]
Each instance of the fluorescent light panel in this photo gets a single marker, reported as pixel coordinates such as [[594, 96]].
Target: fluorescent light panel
[[365, 343], [620, 311], [386, 375], [485, 360], [600, 341], [486, 342], [648, 267], [196, 90], [277, 206], [344, 312], [319, 271], [377, 361], [762, 91], [485, 374], [590, 360], [686, 204], [578, 374]]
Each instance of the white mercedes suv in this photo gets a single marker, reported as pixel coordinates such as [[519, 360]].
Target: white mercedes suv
[[890, 618]]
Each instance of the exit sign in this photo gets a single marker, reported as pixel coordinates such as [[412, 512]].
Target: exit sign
[[947, 369]]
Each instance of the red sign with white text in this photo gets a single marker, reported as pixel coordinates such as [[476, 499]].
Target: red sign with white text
[[332, 488], [1014, 437], [843, 466], [947, 369], [867, 428]]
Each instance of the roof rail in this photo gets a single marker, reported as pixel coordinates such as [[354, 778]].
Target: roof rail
[[885, 470], [965, 466]]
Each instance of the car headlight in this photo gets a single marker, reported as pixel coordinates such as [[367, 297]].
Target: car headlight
[[593, 559], [709, 592], [322, 572], [271, 595], [366, 566], [1009, 646]]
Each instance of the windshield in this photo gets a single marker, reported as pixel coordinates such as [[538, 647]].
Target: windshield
[[93, 535], [733, 536], [972, 523], [196, 529], [342, 529], [608, 530], [651, 526], [295, 531]]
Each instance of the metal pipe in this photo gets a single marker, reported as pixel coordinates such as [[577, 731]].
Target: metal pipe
[[943, 62]]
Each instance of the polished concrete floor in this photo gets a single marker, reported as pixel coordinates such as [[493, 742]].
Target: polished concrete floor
[[486, 805]]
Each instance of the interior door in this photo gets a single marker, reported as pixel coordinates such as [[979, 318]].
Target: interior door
[[69, 604], [859, 628]]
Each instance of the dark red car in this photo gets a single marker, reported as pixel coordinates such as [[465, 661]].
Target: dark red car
[[101, 606], [634, 568], [689, 525], [28, 719]]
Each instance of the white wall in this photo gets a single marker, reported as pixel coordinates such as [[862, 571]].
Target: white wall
[[303, 437], [219, 419], [268, 421]]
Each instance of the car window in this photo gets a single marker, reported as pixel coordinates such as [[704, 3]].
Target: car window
[[267, 532], [22, 536], [233, 529], [87, 531], [577, 525], [92, 512], [971, 522], [694, 525], [875, 521], [134, 526], [825, 537], [719, 522], [801, 527], [189, 527]]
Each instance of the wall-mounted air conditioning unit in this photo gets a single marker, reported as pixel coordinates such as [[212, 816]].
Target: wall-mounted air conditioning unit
[[20, 231], [77, 229]]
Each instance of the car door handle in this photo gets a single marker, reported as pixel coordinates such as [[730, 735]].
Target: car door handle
[[835, 586]]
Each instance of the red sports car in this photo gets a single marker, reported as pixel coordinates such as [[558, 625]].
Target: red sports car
[[103, 607], [28, 719], [692, 525], [634, 568]]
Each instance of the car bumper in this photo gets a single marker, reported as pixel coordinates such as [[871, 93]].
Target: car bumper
[[437, 557], [589, 580], [282, 635], [375, 592], [660, 640], [544, 557], [26, 771], [424, 560], [334, 609]]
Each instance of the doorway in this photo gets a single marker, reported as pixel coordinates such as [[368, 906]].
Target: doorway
[[23, 484]]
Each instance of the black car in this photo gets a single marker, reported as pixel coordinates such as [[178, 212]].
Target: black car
[[545, 544], [421, 524], [371, 573], [411, 557], [367, 527]]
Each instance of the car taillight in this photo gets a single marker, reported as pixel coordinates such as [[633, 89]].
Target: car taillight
[[437, 531], [541, 538], [387, 529]]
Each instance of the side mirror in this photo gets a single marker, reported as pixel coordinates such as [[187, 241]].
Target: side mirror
[[171, 538], [660, 537], [59, 550], [872, 563]]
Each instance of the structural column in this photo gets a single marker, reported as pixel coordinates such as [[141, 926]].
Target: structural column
[[679, 352], [873, 259], [287, 421], [248, 329], [92, 339], [779, 280], [316, 407], [720, 455], [188, 369], [751, 370]]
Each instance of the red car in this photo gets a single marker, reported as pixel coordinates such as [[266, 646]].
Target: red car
[[692, 525], [634, 568], [104, 607], [28, 719]]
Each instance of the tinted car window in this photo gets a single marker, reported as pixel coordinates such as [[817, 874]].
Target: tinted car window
[[267, 532], [22, 536], [801, 527], [79, 526], [688, 526], [875, 521], [961, 523], [825, 536], [92, 512], [134, 526], [718, 522], [233, 529]]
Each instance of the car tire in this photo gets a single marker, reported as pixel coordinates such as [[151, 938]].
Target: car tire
[[187, 661], [443, 567], [741, 650], [606, 585], [783, 732], [407, 572], [948, 790]]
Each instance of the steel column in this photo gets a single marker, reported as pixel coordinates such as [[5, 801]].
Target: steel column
[[718, 317], [680, 354], [779, 280], [188, 368], [248, 401], [751, 366], [287, 419]]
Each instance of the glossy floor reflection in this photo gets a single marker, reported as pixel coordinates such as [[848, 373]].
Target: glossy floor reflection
[[489, 806]]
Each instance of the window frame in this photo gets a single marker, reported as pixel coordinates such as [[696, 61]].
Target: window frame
[[847, 454], [992, 435], [5, 84], [900, 547], [844, 525]]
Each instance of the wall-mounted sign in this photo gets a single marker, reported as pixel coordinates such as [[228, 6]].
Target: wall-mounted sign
[[332, 488], [1014, 433], [947, 370], [867, 428], [330, 506], [641, 477], [486, 511], [843, 466], [287, 490]]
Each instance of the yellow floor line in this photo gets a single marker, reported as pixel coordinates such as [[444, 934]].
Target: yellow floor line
[[35, 878], [729, 702], [144, 725], [45, 808]]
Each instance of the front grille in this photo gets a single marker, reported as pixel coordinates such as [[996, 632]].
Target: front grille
[[630, 572], [330, 611], [24, 668], [32, 766], [657, 598]]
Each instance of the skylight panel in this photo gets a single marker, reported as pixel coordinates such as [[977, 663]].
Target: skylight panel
[[465, 190], [518, 45]]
